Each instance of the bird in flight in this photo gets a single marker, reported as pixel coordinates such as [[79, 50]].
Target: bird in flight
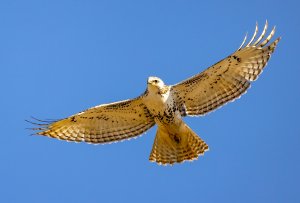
[[166, 105]]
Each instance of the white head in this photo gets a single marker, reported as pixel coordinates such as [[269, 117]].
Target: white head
[[155, 84]]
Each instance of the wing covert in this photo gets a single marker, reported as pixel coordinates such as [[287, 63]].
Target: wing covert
[[229, 78]]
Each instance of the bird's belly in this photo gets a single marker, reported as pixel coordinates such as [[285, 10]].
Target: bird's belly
[[165, 112], [168, 118]]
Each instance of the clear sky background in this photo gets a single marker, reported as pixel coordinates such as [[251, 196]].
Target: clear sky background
[[60, 57]]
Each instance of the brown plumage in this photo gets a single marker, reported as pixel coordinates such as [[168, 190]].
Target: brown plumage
[[165, 106], [170, 148]]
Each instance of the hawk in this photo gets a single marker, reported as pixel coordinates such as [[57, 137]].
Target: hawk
[[166, 105]]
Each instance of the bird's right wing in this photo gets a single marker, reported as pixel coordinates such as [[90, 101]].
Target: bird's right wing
[[227, 79], [102, 124]]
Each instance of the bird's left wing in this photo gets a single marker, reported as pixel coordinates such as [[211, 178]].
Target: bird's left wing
[[227, 79], [102, 124]]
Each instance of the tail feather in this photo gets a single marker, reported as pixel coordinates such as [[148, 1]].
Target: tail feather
[[170, 148]]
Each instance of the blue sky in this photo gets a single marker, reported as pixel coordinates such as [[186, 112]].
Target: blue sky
[[60, 57]]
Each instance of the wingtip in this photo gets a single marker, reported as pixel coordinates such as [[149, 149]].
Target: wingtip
[[244, 40]]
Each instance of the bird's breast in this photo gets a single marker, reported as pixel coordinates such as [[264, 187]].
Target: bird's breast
[[162, 107], [156, 102]]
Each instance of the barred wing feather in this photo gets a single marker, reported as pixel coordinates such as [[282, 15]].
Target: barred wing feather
[[102, 124], [227, 79]]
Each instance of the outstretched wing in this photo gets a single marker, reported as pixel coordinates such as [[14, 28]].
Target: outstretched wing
[[227, 79], [102, 124]]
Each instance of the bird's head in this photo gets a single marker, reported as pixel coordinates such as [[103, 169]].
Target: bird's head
[[155, 84]]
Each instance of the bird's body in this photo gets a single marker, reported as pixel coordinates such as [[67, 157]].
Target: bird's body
[[175, 141], [165, 106], [160, 102]]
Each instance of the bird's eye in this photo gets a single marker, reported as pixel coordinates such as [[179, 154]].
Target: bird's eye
[[155, 81]]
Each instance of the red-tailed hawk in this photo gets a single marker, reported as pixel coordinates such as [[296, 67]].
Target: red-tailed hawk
[[165, 106]]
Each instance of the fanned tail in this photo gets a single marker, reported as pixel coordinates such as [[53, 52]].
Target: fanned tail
[[170, 148]]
